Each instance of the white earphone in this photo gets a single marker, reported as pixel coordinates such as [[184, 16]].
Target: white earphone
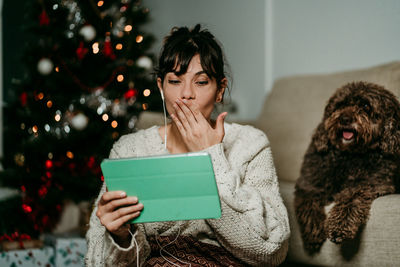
[[165, 120]]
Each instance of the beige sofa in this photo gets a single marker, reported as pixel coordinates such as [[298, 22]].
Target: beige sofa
[[290, 114]]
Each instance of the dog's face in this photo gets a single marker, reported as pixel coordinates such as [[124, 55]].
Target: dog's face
[[358, 114]]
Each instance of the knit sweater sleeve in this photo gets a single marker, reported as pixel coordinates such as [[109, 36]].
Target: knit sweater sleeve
[[102, 248], [254, 224]]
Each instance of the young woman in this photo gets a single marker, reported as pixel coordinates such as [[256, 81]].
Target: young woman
[[254, 226]]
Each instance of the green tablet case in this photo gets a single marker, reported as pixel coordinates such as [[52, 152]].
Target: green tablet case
[[171, 187]]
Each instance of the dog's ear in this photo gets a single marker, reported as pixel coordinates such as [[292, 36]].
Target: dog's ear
[[320, 138], [390, 141]]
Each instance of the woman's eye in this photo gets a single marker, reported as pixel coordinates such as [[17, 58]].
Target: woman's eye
[[367, 107], [173, 81], [202, 82]]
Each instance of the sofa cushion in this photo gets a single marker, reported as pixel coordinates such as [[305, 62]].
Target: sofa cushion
[[377, 245], [295, 106]]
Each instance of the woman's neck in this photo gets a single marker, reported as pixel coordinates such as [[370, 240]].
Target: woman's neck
[[175, 143]]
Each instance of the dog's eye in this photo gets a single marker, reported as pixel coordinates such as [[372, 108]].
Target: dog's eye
[[367, 107]]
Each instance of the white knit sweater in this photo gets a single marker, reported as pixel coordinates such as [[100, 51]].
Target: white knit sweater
[[254, 225]]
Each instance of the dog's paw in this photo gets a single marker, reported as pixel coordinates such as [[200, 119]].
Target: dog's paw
[[313, 247], [340, 231], [338, 237], [313, 241]]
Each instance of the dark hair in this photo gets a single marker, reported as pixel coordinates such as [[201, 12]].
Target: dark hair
[[182, 44]]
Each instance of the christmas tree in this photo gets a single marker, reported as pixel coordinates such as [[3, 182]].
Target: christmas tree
[[87, 77]]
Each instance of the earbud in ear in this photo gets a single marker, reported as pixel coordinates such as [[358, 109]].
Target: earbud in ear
[[162, 95]]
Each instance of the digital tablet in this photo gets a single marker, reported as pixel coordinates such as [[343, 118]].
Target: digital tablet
[[171, 187]]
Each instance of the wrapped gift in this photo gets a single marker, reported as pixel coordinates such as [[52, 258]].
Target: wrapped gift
[[28, 257], [69, 251]]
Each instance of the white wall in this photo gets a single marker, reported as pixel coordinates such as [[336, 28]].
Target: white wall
[[239, 25], [317, 36]]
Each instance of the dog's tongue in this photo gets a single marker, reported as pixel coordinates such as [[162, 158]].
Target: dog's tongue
[[347, 135]]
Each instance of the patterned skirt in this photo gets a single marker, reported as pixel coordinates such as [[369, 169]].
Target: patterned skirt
[[187, 251]]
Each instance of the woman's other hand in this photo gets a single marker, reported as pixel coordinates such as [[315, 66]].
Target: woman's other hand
[[114, 209], [196, 131]]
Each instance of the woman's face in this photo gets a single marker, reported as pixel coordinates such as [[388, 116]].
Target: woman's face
[[194, 86]]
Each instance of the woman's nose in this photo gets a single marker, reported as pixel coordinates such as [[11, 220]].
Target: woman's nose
[[187, 92]]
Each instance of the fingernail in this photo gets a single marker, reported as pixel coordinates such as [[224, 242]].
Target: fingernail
[[135, 199], [123, 194]]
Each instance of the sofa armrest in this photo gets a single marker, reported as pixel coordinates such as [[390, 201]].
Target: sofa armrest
[[377, 245]]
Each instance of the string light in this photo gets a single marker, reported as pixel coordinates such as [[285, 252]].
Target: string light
[[57, 117], [22, 126], [40, 96], [139, 39], [105, 117], [120, 78], [146, 92], [145, 106], [100, 3], [95, 48], [57, 69], [128, 28], [114, 124], [35, 129], [50, 155], [70, 155], [118, 46], [49, 104], [47, 128]]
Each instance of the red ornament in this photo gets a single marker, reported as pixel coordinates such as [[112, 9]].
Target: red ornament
[[91, 162], [45, 219], [108, 51], [26, 208], [81, 51], [44, 18], [130, 93], [102, 178], [49, 164], [42, 192], [23, 98]]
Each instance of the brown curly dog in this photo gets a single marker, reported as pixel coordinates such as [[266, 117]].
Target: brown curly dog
[[353, 158]]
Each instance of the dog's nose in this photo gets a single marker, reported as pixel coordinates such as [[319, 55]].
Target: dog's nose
[[345, 119]]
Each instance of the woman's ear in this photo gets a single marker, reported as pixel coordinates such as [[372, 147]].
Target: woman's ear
[[160, 87], [220, 93]]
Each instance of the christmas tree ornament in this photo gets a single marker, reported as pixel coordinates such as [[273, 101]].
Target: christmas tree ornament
[[44, 19], [118, 108], [88, 32], [45, 66], [19, 159], [108, 51], [144, 62], [81, 51], [79, 121], [23, 98], [132, 122], [130, 93]]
